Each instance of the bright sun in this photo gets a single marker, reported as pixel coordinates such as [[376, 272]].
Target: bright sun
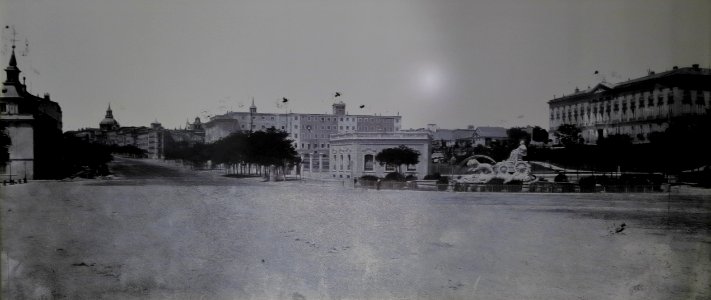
[[430, 80]]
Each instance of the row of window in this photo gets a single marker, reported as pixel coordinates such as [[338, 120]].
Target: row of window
[[315, 146], [263, 127], [640, 102], [331, 119]]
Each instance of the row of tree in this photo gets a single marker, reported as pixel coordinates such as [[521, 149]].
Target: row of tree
[[680, 147], [240, 152]]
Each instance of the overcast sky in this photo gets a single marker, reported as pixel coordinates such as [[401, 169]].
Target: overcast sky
[[449, 62]]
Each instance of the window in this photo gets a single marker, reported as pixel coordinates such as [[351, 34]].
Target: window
[[242, 126], [296, 126], [282, 127], [389, 168], [296, 135], [348, 166], [341, 127], [322, 146], [302, 145], [686, 99], [412, 167], [368, 162], [296, 117], [334, 160], [700, 98], [341, 164], [262, 117], [341, 119], [670, 98], [308, 145]]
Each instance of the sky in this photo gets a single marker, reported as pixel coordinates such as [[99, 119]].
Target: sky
[[450, 62]]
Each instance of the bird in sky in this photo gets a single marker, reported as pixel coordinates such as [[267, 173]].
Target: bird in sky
[[361, 106], [596, 72], [284, 100], [338, 94]]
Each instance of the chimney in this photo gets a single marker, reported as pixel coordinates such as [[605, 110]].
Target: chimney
[[675, 68], [695, 66], [46, 96]]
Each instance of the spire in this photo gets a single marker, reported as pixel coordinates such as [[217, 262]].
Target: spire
[[13, 60], [109, 112], [253, 108], [12, 72]]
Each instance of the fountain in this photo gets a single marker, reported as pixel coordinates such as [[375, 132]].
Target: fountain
[[513, 168]]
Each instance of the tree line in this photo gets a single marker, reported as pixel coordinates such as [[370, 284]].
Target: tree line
[[240, 152], [680, 147]]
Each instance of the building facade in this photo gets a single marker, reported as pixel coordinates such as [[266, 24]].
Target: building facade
[[34, 125], [310, 133], [353, 154], [636, 107], [150, 139]]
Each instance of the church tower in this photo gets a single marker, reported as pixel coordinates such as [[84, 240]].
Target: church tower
[[109, 123], [253, 108]]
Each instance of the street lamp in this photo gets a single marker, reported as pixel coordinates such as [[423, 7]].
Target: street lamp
[[452, 162]]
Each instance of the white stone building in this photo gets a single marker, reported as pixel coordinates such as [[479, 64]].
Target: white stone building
[[352, 155]]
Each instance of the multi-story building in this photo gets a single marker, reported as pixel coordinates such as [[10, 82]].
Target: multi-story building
[[191, 134], [34, 125], [635, 107], [310, 133], [150, 139], [353, 154]]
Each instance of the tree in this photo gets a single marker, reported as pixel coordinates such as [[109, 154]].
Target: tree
[[568, 135], [402, 155], [540, 135], [516, 134], [614, 150], [231, 150]]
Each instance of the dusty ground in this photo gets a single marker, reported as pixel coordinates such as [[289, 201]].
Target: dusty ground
[[164, 233]]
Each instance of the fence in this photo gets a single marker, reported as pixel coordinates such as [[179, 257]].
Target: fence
[[538, 187]]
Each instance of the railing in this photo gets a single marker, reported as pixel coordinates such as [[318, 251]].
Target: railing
[[537, 187]]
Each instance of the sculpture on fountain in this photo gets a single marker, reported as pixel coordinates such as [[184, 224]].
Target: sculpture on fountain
[[514, 168]]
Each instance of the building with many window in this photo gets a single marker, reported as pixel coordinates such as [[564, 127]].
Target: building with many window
[[34, 125], [310, 133], [635, 107]]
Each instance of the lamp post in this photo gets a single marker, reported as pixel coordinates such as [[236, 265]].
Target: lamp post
[[452, 162]]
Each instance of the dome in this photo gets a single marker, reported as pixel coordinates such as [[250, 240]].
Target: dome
[[108, 122]]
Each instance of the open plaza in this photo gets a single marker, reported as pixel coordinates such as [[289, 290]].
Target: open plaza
[[158, 231]]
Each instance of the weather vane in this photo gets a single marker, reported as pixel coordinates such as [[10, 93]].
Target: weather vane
[[13, 39]]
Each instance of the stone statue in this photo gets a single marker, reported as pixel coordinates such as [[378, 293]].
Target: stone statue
[[518, 153]]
